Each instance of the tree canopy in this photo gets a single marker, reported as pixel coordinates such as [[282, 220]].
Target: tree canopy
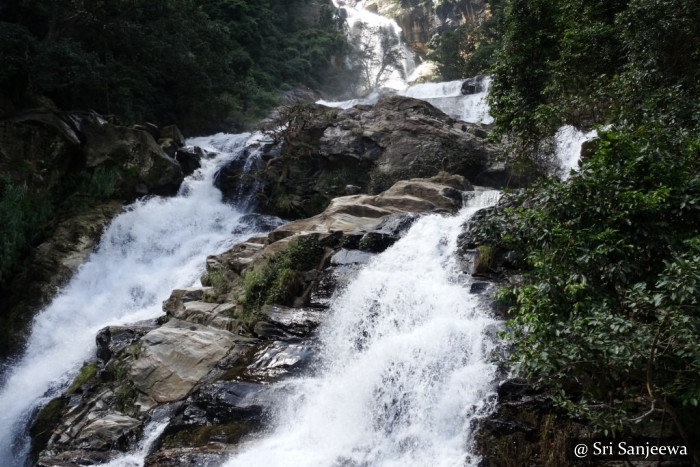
[[203, 65], [608, 315]]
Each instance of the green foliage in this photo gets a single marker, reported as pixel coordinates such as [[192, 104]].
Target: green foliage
[[279, 280], [609, 315], [468, 49], [203, 65], [216, 278], [46, 421], [87, 373], [486, 260], [125, 398], [23, 216], [585, 62]]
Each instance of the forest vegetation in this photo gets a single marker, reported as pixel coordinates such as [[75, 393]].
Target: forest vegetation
[[206, 66], [608, 315]]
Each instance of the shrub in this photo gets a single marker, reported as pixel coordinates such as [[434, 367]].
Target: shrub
[[279, 280], [609, 314]]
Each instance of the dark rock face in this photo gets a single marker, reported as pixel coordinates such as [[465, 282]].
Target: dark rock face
[[62, 146], [420, 23], [368, 148], [473, 85], [112, 339], [528, 429], [189, 158], [238, 179], [111, 145]]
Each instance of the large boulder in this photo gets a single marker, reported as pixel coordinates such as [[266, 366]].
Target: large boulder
[[142, 162], [175, 357], [474, 85], [325, 152], [363, 213]]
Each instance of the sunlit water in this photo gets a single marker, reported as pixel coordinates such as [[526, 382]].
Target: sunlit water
[[568, 141], [407, 365], [155, 245]]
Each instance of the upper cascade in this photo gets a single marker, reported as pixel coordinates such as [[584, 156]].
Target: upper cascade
[[446, 96], [379, 45], [385, 60]]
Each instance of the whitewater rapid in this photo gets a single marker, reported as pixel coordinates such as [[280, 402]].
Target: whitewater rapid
[[407, 364], [157, 244]]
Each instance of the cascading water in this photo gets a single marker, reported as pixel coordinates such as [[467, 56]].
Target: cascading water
[[568, 141], [446, 96], [156, 245], [365, 30], [405, 364], [151, 433]]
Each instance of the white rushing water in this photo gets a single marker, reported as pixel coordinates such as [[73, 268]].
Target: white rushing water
[[154, 246], [137, 457], [364, 30], [568, 141], [406, 365], [446, 96]]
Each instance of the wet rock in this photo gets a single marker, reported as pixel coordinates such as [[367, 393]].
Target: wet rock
[[106, 143], [367, 148], [175, 357], [473, 85], [237, 180], [189, 158], [295, 321], [236, 259], [479, 287], [220, 402], [346, 257], [172, 132], [268, 331], [376, 242], [253, 222], [108, 432], [275, 359], [112, 339]]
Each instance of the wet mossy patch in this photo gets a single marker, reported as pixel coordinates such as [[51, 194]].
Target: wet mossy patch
[[202, 435]]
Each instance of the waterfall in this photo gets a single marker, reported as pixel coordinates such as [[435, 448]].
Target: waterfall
[[446, 96], [365, 31], [155, 245], [137, 458], [567, 143], [406, 364]]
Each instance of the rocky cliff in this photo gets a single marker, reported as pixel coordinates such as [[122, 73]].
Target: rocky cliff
[[74, 171], [420, 22]]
